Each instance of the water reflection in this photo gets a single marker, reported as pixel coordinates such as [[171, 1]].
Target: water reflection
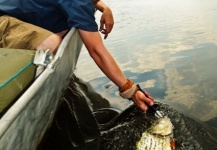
[[169, 47], [192, 82]]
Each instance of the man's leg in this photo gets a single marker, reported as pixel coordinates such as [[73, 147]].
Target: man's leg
[[52, 43], [21, 35]]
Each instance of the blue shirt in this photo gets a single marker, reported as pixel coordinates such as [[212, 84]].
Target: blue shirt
[[53, 15]]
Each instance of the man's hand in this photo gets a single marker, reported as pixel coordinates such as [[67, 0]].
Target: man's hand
[[142, 101], [107, 20]]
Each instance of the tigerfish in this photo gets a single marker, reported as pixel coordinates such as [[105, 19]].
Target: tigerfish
[[158, 137]]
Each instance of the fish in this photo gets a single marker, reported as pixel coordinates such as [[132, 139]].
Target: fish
[[134, 129], [101, 127], [158, 137]]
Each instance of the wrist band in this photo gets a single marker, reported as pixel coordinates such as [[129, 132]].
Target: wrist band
[[126, 86], [129, 92]]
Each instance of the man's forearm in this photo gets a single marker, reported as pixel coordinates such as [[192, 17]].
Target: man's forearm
[[107, 64], [102, 57]]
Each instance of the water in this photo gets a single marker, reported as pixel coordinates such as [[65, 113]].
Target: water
[[169, 48]]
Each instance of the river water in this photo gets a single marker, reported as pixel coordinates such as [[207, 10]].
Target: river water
[[169, 48]]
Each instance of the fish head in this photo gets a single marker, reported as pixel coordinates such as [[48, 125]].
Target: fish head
[[162, 127]]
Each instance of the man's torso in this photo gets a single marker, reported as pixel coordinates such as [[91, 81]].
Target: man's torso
[[53, 15]]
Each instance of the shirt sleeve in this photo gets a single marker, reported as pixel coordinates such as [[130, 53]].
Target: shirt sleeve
[[79, 13]]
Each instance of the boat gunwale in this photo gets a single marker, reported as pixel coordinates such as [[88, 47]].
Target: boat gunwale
[[13, 112]]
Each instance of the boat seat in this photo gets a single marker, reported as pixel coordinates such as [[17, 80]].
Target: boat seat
[[17, 72]]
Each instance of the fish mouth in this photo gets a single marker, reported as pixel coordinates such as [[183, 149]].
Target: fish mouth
[[161, 127]]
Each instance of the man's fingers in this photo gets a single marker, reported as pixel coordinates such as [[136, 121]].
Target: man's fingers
[[105, 28], [109, 27], [141, 105], [142, 101], [106, 35], [149, 95], [101, 25], [148, 100], [103, 31]]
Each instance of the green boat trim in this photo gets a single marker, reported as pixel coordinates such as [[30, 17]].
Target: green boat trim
[[15, 75]]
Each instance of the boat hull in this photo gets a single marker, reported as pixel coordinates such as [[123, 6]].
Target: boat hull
[[25, 123]]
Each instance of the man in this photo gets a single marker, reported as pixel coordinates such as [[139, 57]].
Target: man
[[57, 17]]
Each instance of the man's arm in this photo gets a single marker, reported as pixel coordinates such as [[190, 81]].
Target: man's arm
[[97, 50], [107, 20]]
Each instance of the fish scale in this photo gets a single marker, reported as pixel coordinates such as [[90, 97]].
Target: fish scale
[[151, 142]]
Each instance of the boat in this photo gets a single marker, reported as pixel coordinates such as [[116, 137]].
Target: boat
[[25, 121]]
